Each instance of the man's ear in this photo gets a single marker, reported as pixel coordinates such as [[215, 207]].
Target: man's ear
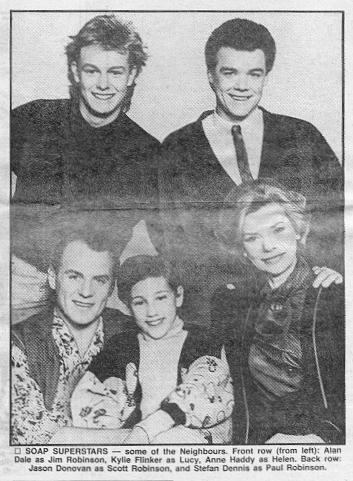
[[51, 276], [210, 77], [74, 71], [179, 296], [132, 76]]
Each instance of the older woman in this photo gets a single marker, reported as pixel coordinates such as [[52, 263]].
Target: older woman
[[285, 339]]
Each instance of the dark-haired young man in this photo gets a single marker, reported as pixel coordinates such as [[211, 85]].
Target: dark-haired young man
[[86, 148], [237, 142], [52, 350]]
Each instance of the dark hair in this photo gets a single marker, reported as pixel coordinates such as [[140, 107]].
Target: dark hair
[[95, 239], [139, 268], [111, 34], [249, 198], [240, 34]]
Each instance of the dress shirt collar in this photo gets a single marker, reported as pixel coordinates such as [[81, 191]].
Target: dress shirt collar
[[250, 123], [66, 342]]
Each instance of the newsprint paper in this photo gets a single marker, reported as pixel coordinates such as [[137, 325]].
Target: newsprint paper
[[176, 240]]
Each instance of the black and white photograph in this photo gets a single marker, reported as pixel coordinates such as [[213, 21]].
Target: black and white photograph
[[177, 252]]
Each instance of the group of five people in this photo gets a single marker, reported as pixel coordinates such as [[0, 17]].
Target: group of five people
[[226, 197]]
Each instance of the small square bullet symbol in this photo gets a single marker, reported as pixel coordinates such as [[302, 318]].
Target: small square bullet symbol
[[17, 450]]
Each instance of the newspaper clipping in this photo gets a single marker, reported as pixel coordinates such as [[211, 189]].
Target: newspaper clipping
[[177, 205]]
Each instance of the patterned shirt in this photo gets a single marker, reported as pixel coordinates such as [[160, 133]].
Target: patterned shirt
[[32, 423], [205, 395]]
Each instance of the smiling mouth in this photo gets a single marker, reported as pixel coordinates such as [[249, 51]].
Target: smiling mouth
[[85, 305], [102, 96], [273, 259], [240, 98], [155, 323]]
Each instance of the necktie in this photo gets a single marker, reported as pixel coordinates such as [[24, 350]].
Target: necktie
[[242, 156]]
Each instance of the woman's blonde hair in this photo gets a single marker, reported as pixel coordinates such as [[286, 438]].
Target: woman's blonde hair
[[249, 198]]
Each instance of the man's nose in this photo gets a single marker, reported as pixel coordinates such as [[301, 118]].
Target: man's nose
[[86, 289], [103, 81], [241, 82]]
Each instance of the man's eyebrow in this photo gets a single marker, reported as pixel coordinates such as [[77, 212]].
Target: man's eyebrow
[[102, 276], [91, 65], [228, 68], [72, 271]]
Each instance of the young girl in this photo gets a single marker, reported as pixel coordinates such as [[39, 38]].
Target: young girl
[[168, 382]]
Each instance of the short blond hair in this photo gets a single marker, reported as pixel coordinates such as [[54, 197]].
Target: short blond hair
[[249, 198]]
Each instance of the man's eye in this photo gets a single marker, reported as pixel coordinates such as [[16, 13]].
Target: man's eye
[[102, 281], [117, 72], [279, 229], [73, 276], [255, 75], [90, 70], [251, 238]]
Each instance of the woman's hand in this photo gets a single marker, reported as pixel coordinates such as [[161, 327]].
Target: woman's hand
[[326, 276]]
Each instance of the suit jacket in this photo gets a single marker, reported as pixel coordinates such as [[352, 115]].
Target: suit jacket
[[192, 182]]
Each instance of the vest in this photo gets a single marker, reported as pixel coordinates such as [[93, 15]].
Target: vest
[[34, 337]]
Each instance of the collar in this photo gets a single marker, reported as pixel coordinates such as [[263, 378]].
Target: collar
[[251, 122], [79, 124], [61, 330]]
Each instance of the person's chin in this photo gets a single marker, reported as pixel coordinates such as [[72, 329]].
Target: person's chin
[[156, 334], [100, 108], [103, 110], [279, 270], [240, 113], [82, 317], [236, 114]]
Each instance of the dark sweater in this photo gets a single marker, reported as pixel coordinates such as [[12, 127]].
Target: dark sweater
[[58, 157], [67, 171], [193, 184]]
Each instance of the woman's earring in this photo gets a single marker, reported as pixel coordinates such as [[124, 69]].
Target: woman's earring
[[245, 254]]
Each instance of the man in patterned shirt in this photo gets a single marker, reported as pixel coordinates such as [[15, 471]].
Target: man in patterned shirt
[[52, 350]]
